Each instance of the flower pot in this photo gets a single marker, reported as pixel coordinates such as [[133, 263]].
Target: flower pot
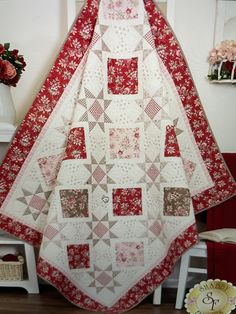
[[7, 108]]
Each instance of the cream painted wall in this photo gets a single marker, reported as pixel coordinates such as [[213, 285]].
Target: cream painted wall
[[194, 27], [37, 28]]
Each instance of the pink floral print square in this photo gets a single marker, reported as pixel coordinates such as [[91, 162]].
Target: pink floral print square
[[129, 254], [177, 201], [78, 256], [76, 147], [120, 9], [49, 167], [124, 143], [74, 203], [122, 76], [127, 201]]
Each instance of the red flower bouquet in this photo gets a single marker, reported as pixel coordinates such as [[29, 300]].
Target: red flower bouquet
[[11, 65]]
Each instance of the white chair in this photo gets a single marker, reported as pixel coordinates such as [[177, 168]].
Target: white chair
[[199, 250], [157, 296]]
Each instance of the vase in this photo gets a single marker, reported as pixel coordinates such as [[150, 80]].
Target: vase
[[7, 107]]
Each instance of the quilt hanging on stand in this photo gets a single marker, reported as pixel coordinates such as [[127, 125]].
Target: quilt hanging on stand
[[113, 160]]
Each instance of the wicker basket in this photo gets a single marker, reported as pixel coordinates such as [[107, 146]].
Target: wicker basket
[[11, 270]]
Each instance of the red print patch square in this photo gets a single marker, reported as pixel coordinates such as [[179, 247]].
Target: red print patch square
[[122, 76], [127, 201], [76, 148], [171, 142], [78, 256]]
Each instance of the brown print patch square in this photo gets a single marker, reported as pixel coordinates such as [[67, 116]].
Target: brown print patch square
[[177, 201], [74, 203]]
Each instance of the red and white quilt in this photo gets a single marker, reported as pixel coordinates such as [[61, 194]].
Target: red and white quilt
[[113, 160]]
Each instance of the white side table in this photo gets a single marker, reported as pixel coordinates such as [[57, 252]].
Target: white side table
[[6, 133], [30, 280]]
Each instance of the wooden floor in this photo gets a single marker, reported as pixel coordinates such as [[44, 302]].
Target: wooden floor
[[49, 301]]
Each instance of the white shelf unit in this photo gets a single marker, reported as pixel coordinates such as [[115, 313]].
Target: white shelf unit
[[223, 82], [30, 280], [6, 132]]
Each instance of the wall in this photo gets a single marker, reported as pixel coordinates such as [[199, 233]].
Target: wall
[[194, 28], [37, 28]]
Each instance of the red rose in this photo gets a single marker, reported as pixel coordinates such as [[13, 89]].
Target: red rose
[[7, 70], [22, 61], [13, 81], [14, 53], [2, 49], [228, 66]]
